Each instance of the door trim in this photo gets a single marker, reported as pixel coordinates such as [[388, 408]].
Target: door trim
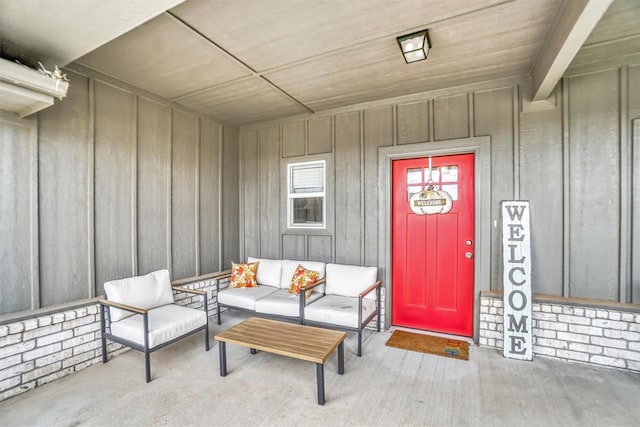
[[481, 148]]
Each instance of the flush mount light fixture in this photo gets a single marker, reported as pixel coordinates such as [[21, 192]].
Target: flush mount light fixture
[[414, 46]]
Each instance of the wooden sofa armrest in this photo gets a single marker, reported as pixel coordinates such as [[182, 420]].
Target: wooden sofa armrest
[[303, 298], [370, 288], [187, 290], [123, 306], [196, 292], [224, 275], [312, 285]]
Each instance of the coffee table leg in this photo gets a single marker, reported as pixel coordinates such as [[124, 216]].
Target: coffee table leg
[[253, 351], [341, 358], [223, 358], [320, 381]]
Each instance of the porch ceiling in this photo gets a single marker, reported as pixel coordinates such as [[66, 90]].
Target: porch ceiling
[[56, 32], [254, 60]]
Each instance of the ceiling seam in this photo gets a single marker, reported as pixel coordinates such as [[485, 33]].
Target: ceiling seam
[[391, 36], [237, 60], [211, 87], [274, 69], [611, 41]]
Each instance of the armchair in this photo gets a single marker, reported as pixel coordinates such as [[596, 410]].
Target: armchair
[[143, 315]]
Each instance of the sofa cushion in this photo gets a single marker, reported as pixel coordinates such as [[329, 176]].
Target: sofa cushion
[[269, 271], [289, 268], [350, 280], [243, 275], [282, 303], [338, 310], [165, 323], [148, 291], [301, 278], [244, 297]]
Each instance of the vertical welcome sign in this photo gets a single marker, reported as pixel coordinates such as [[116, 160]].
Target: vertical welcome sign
[[516, 256]]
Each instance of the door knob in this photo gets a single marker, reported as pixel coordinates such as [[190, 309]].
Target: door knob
[[468, 243], [468, 255]]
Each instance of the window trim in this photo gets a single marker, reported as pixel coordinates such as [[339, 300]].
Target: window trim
[[322, 195]]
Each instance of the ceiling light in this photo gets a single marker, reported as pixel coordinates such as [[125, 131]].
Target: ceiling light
[[414, 46]]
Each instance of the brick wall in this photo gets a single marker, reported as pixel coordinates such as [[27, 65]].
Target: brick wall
[[571, 329], [383, 311], [41, 349]]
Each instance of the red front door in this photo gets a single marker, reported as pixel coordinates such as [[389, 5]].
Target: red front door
[[432, 254]]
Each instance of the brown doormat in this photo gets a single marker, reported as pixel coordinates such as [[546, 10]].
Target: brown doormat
[[428, 344]]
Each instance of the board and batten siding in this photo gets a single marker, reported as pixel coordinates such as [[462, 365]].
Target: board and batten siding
[[64, 160], [108, 183], [567, 158]]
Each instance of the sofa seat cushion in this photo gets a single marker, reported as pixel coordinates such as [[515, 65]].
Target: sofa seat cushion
[[350, 280], [289, 268], [148, 291], [244, 297], [165, 323], [269, 271], [338, 310], [282, 303]]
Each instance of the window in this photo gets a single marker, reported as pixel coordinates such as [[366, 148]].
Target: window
[[443, 178], [306, 196]]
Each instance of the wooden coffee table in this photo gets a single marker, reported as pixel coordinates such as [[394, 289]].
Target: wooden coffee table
[[286, 339]]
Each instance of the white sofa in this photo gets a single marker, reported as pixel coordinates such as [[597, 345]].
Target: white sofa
[[143, 315], [342, 297], [271, 298]]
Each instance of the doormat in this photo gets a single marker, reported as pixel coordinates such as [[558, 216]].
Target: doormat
[[446, 347]]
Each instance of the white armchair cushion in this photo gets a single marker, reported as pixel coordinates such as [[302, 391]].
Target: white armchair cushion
[[163, 278], [282, 303], [350, 280], [165, 323], [338, 310], [289, 268], [269, 271], [244, 297], [148, 291]]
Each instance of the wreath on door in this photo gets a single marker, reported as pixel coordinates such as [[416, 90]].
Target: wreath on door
[[431, 201]]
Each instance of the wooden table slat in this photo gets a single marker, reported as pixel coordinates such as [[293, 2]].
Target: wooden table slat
[[265, 339], [291, 340], [285, 336]]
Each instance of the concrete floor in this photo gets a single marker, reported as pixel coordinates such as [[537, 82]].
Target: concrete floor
[[386, 387]]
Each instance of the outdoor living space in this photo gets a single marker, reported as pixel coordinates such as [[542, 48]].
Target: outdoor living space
[[385, 387], [187, 187]]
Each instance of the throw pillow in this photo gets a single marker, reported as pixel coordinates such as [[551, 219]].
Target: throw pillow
[[302, 277], [244, 275]]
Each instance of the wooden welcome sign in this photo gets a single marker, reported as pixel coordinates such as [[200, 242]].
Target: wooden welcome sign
[[430, 201], [516, 256]]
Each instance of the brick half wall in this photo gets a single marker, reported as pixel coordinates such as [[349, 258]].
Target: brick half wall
[[572, 329], [38, 350]]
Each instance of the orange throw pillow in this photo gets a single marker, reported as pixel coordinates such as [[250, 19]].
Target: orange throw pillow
[[244, 275], [302, 277]]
